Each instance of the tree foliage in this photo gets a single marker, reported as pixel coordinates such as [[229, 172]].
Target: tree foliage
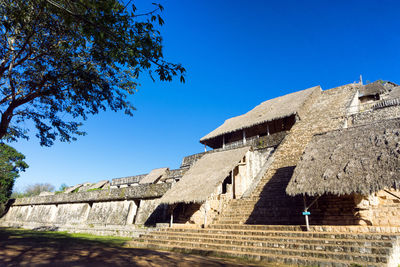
[[61, 60], [36, 189], [11, 163], [62, 187]]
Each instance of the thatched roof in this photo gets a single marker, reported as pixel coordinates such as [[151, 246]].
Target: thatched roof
[[153, 176], [269, 110], [395, 92], [362, 159], [201, 180], [375, 88]]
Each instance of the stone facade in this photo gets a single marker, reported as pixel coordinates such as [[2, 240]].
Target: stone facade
[[122, 209], [255, 196]]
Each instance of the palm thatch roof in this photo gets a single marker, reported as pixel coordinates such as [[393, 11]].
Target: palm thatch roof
[[362, 159], [201, 180], [375, 88], [395, 92], [153, 176], [269, 110]]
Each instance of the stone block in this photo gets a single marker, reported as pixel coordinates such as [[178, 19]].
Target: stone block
[[72, 188], [99, 184], [45, 193]]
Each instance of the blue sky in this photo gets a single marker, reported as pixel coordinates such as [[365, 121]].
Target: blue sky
[[237, 55]]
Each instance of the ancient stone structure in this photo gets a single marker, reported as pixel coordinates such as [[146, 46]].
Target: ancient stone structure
[[309, 178]]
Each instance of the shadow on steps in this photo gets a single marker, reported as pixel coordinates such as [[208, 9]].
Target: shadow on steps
[[274, 205]]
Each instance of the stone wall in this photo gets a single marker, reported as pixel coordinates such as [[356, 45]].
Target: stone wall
[[127, 180], [374, 115], [152, 212], [333, 210], [205, 213], [379, 209], [90, 211], [135, 192]]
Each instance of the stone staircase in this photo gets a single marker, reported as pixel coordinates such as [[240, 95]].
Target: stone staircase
[[269, 204], [274, 243], [266, 225]]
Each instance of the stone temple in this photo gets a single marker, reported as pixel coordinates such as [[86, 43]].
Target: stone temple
[[308, 178]]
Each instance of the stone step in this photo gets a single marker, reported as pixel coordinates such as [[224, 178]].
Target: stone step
[[291, 213], [275, 258], [265, 200], [238, 221], [259, 220], [318, 243], [229, 227], [334, 256], [269, 204], [231, 230], [314, 229], [260, 210]]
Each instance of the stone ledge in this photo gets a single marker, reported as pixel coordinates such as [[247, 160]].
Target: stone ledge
[[135, 192]]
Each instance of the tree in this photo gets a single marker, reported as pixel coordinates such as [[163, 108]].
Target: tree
[[62, 187], [36, 189], [62, 60], [11, 164]]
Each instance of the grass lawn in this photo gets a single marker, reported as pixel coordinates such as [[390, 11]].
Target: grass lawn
[[63, 237]]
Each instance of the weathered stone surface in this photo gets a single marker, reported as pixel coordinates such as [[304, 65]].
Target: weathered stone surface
[[69, 213], [45, 193], [374, 115], [72, 188], [127, 180], [110, 212], [98, 184], [135, 192], [149, 207]]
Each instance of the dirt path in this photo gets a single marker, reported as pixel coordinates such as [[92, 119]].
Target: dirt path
[[18, 248]]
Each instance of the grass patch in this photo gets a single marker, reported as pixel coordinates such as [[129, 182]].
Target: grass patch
[[62, 237], [93, 189]]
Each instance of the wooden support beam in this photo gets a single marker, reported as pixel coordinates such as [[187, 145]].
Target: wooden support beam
[[205, 217], [390, 193], [306, 213], [171, 222]]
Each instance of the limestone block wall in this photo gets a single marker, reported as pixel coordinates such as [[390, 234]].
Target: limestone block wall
[[88, 209], [254, 162], [136, 192], [334, 210], [374, 115], [379, 209], [209, 209], [65, 213], [151, 211], [112, 212]]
